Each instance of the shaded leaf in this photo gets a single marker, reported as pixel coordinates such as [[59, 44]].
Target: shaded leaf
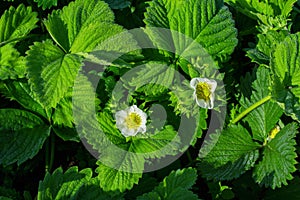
[[22, 135]]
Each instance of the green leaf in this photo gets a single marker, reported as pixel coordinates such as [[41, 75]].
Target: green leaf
[[12, 65], [91, 190], [252, 8], [202, 21], [116, 179], [46, 3], [61, 185], [83, 25], [279, 159], [22, 135], [153, 79], [228, 154], [66, 133], [160, 144], [16, 23], [266, 44], [63, 114], [291, 191], [20, 91], [174, 186], [285, 65], [51, 72], [259, 119], [8, 194]]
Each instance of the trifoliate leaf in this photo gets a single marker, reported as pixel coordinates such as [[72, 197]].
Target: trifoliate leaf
[[206, 22], [116, 179], [61, 185], [174, 186], [285, 65], [20, 92], [228, 154], [16, 23], [259, 119], [51, 72], [46, 3], [83, 25], [12, 65], [22, 135], [279, 159]]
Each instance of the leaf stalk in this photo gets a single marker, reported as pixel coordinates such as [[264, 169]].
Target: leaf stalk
[[252, 107]]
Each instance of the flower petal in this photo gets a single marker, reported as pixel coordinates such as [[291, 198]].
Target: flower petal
[[194, 82]]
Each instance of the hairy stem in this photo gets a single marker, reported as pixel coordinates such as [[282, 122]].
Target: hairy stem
[[252, 107]]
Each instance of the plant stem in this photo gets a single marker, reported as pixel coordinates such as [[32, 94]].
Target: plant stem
[[252, 107], [50, 151], [188, 154], [17, 39]]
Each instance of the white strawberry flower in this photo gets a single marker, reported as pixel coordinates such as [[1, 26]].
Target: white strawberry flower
[[131, 121], [204, 89]]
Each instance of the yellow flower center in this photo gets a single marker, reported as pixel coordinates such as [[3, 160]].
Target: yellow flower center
[[133, 120], [274, 132], [203, 91]]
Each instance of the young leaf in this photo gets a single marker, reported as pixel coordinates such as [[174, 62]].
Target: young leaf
[[22, 135], [46, 3], [174, 186], [17, 23], [259, 119], [61, 185], [206, 22], [279, 159], [228, 154], [285, 65], [51, 72], [12, 65]]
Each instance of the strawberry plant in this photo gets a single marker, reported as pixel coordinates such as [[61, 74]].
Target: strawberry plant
[[140, 99]]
